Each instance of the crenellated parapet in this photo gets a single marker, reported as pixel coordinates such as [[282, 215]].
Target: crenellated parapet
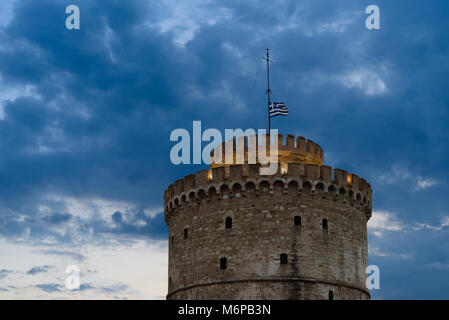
[[333, 184], [290, 150]]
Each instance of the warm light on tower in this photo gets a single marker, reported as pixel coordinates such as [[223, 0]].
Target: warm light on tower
[[349, 179], [284, 168]]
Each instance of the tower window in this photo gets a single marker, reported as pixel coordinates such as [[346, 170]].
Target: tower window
[[186, 233], [172, 240], [223, 263], [228, 223], [284, 258], [325, 226], [297, 220], [331, 295]]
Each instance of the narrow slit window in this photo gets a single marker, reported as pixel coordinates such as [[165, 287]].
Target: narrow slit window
[[284, 258], [325, 225], [297, 220], [228, 223], [172, 240], [223, 263], [186, 233], [331, 295]]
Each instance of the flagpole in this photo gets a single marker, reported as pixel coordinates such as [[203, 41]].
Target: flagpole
[[268, 88]]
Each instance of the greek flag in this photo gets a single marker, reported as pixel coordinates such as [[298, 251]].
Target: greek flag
[[278, 109]]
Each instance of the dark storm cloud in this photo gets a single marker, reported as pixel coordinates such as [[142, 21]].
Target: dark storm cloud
[[34, 230], [4, 273], [138, 224], [74, 255], [49, 287], [114, 288], [85, 286], [104, 99], [77, 74], [38, 269], [57, 218]]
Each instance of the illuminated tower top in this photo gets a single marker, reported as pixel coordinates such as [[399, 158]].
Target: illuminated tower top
[[291, 150]]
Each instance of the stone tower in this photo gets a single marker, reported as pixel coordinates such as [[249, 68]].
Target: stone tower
[[298, 234]]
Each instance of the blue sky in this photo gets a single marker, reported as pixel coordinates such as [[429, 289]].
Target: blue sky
[[86, 115]]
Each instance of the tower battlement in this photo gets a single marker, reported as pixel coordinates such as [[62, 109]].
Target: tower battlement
[[337, 184], [246, 148]]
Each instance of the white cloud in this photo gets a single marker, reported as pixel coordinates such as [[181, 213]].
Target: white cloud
[[382, 221], [111, 268], [398, 172], [438, 265], [93, 207], [6, 10], [368, 81], [137, 271], [339, 25], [420, 226], [108, 38], [185, 18], [8, 93], [424, 183], [443, 223], [376, 251]]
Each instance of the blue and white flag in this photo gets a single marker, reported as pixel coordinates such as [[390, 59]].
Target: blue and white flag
[[277, 109]]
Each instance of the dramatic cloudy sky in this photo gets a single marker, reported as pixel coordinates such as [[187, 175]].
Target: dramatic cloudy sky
[[85, 119]]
